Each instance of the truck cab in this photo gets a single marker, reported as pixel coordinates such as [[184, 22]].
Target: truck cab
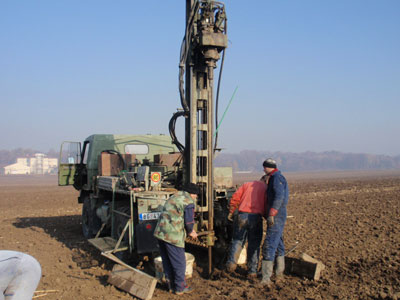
[[79, 165]]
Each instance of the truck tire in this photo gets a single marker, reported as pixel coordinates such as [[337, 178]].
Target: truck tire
[[90, 222]]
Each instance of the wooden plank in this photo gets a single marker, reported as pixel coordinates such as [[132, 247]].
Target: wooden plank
[[111, 256], [140, 278], [133, 281], [105, 244]]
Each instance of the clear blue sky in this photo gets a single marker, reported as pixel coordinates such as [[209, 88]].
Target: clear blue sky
[[312, 75]]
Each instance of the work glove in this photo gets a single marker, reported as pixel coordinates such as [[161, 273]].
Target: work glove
[[270, 221], [230, 217], [193, 234]]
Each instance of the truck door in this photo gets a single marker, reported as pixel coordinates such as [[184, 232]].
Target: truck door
[[70, 157]]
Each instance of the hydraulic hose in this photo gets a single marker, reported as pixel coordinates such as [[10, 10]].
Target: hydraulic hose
[[171, 127], [182, 63], [218, 88], [217, 100], [184, 53]]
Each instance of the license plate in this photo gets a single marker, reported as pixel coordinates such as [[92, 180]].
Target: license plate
[[149, 216]]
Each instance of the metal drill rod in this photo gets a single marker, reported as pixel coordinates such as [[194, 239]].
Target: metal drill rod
[[297, 243]]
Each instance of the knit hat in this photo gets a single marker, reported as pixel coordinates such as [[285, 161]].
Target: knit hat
[[269, 163], [191, 188]]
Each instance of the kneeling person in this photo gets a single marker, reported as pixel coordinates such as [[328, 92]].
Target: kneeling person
[[177, 219]]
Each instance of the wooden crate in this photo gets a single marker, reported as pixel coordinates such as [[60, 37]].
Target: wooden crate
[[167, 159], [111, 164], [305, 266]]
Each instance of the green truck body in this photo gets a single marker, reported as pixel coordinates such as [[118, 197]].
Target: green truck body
[[120, 210]]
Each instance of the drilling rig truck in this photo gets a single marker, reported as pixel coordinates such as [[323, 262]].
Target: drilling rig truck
[[124, 180]]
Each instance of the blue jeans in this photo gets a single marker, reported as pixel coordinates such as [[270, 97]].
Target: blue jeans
[[273, 243], [19, 275], [174, 264], [248, 226]]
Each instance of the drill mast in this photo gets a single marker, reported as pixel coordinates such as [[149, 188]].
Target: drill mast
[[205, 38]]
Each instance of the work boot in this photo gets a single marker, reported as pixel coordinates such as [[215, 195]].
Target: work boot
[[186, 290], [169, 286], [267, 268], [230, 267], [280, 267]]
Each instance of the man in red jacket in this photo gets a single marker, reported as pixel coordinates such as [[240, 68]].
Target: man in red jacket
[[250, 200]]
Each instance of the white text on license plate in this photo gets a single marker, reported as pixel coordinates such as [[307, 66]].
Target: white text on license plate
[[149, 216]]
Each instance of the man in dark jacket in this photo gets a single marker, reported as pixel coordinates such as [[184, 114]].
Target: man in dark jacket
[[277, 200]]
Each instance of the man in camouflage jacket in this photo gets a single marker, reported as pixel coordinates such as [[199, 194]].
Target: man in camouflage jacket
[[176, 220]]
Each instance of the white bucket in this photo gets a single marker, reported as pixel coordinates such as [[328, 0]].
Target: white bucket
[[159, 267], [242, 257]]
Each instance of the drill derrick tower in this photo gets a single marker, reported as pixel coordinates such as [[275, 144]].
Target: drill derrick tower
[[205, 39]]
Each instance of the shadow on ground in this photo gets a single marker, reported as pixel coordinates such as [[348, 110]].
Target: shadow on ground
[[68, 231]]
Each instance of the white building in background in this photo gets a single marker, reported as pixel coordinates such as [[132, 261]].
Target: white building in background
[[39, 164]]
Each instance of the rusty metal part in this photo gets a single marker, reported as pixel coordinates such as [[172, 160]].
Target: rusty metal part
[[202, 233], [196, 242], [211, 239]]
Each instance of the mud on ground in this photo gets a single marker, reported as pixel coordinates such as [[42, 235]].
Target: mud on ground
[[349, 221]]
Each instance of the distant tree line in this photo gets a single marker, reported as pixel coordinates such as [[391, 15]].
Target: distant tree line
[[251, 160]]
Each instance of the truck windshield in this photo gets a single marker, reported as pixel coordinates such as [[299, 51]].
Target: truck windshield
[[70, 153]]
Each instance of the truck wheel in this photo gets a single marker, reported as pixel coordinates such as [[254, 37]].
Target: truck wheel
[[90, 222]]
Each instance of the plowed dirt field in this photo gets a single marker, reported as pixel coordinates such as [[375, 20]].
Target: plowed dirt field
[[350, 221]]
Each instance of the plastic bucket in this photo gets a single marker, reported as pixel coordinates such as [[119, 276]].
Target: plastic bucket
[[159, 267], [242, 257]]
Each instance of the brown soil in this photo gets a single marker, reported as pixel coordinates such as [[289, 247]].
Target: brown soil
[[349, 221]]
